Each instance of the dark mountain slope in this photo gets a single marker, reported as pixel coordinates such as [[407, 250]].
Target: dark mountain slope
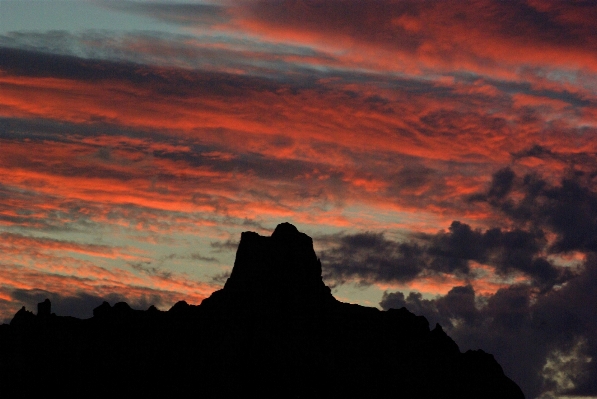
[[274, 330]]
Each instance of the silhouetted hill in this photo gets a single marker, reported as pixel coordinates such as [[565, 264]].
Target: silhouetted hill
[[274, 330]]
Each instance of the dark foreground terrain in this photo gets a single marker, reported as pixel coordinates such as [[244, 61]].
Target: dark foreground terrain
[[274, 330]]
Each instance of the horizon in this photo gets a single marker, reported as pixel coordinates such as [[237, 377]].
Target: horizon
[[441, 155]]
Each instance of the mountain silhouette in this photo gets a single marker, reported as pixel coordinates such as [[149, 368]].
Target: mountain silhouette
[[274, 330]]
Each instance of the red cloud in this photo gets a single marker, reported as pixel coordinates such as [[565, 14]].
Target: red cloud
[[480, 36]]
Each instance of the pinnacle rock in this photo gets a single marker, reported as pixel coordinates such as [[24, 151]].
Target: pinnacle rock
[[277, 271]]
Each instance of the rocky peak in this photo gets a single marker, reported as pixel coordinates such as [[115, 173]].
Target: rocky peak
[[44, 309], [286, 230], [22, 318], [277, 271]]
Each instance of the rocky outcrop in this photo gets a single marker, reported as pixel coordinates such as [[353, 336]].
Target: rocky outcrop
[[23, 318], [279, 274], [274, 330], [44, 309]]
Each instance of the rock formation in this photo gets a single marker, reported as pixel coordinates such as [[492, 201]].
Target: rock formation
[[274, 330], [44, 309]]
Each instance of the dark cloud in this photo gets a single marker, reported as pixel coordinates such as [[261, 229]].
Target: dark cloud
[[535, 151], [38, 129], [202, 258], [501, 184], [578, 160], [524, 329], [457, 306], [568, 209], [164, 81], [222, 246], [541, 331], [146, 268], [370, 257]]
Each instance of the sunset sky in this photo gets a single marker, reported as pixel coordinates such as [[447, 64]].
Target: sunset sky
[[441, 154]]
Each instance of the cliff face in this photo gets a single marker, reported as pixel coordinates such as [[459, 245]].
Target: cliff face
[[274, 330]]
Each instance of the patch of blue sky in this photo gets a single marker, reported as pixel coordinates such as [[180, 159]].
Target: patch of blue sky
[[168, 49], [562, 76], [364, 295], [71, 16], [240, 40]]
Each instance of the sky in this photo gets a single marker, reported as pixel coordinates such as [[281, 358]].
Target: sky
[[441, 154]]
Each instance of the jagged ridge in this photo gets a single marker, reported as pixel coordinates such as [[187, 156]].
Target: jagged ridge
[[274, 330]]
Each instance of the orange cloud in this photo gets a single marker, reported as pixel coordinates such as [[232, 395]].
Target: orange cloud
[[483, 37]]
